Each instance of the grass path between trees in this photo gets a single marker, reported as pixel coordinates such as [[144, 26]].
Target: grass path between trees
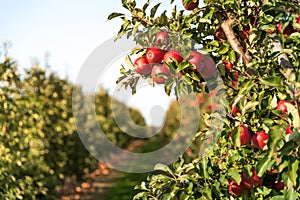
[[109, 184]]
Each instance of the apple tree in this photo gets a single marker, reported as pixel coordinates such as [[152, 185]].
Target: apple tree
[[254, 45]]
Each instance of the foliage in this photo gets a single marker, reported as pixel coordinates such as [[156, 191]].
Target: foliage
[[265, 70], [39, 144]]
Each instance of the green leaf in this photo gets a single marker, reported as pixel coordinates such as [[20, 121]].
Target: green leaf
[[154, 9], [114, 15], [273, 138], [162, 167], [274, 81], [224, 49], [278, 197], [293, 170], [232, 56], [125, 4], [168, 85], [263, 165], [234, 174]]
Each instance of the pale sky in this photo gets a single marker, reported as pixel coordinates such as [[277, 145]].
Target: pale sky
[[69, 31]]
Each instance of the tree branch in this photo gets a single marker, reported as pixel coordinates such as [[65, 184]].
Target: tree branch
[[233, 41]]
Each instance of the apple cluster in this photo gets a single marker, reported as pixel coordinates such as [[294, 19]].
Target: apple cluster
[[251, 182], [260, 138], [156, 61], [259, 141]]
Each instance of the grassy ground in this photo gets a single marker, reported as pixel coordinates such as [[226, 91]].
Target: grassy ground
[[123, 187]]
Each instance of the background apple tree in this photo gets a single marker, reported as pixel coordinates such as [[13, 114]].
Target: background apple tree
[[255, 45]]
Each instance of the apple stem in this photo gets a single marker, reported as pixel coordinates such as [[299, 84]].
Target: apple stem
[[233, 41]]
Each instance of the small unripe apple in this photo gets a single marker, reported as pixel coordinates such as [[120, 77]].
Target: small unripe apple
[[251, 182], [173, 54], [279, 186], [259, 139], [155, 55], [235, 189], [228, 65], [142, 66], [192, 5], [282, 107], [160, 69], [162, 38]]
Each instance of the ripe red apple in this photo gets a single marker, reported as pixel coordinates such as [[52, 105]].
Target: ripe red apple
[[161, 38], [281, 107], [279, 186], [288, 130], [259, 139], [207, 67], [298, 22], [160, 69], [194, 59], [220, 35], [154, 55], [228, 65], [192, 5], [235, 83], [142, 66], [173, 54], [251, 182], [245, 136], [235, 189], [235, 110], [287, 31], [244, 34]]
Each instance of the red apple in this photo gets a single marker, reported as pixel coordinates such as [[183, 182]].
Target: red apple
[[192, 5], [259, 139], [235, 83], [142, 66], [194, 59], [298, 22], [160, 69], [173, 54], [251, 182], [235, 189], [244, 34], [288, 130], [220, 35], [287, 31], [282, 107], [228, 65], [279, 186], [206, 67], [235, 110], [245, 136], [161, 38], [154, 55]]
